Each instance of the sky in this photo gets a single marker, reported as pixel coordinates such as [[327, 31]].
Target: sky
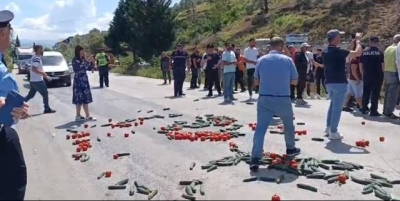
[[54, 20]]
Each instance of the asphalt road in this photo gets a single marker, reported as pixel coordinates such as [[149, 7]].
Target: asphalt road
[[160, 163]]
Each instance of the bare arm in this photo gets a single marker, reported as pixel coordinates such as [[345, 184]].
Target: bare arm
[[357, 52], [354, 71], [361, 69]]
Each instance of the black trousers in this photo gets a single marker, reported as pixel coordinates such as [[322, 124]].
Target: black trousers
[[371, 92], [12, 166], [213, 79], [320, 80], [103, 75], [239, 79], [297, 91], [166, 74], [206, 82], [250, 80], [195, 76], [179, 77]]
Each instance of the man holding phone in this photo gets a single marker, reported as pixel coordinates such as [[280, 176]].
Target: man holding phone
[[36, 81], [13, 182]]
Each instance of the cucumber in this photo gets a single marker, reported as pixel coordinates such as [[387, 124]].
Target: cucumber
[[203, 167], [307, 187], [225, 163], [202, 191], [368, 189], [280, 178], [184, 183], [98, 139], [214, 167], [85, 158], [341, 167], [188, 197], [360, 181], [101, 175], [301, 123], [317, 139], [395, 182], [93, 126], [323, 166], [142, 190], [123, 154], [116, 187], [382, 195], [375, 176], [132, 190], [315, 169], [105, 125], [332, 179], [330, 162], [267, 179], [326, 177], [166, 109], [122, 182], [237, 161], [316, 175], [192, 165], [193, 186], [381, 182], [255, 178], [152, 194], [307, 171], [72, 131], [198, 182], [150, 111]]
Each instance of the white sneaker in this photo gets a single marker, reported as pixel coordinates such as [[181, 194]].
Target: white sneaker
[[306, 96], [91, 118], [335, 136], [79, 118], [318, 97]]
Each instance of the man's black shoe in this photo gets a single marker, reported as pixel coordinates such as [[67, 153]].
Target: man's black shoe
[[182, 94], [49, 111], [391, 116], [293, 152], [374, 114], [347, 109], [219, 93], [254, 164], [209, 94]]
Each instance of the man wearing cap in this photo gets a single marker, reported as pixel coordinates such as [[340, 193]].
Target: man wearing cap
[[274, 73], [372, 65], [180, 60], [12, 162], [103, 60], [391, 78], [335, 78]]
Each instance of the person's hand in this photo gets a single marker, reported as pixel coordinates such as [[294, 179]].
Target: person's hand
[[358, 82], [18, 112], [46, 77]]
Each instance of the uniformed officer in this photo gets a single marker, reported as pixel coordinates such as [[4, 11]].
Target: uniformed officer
[[372, 63], [103, 66], [12, 162], [180, 59]]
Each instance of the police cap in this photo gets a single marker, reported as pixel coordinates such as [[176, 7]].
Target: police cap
[[5, 18], [374, 39]]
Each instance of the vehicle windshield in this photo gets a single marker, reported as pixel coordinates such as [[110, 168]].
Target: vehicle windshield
[[24, 57], [52, 60]]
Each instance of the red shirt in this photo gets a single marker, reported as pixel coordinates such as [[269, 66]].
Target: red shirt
[[355, 61]]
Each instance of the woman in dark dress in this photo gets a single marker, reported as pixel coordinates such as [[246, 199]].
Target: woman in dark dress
[[81, 89]]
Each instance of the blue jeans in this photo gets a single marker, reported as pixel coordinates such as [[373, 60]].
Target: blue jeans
[[337, 94], [229, 82], [42, 89], [267, 107]]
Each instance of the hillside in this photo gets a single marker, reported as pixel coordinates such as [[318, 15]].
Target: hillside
[[217, 21]]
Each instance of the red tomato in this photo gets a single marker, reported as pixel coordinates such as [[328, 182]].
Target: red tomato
[[276, 198], [107, 174], [109, 120], [115, 156], [67, 137], [78, 149], [126, 135]]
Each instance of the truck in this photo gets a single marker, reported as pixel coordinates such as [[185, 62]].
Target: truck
[[23, 59]]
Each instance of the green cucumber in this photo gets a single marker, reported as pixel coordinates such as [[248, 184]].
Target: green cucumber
[[360, 181], [395, 182], [122, 182], [184, 182], [375, 176], [214, 167], [316, 175], [267, 179], [341, 167], [142, 190], [315, 169], [116, 187], [188, 190], [105, 125], [101, 175], [225, 163], [188, 197], [323, 166], [332, 179], [203, 167], [237, 161], [330, 162], [326, 177], [381, 182], [132, 190], [202, 191], [317, 139], [152, 194], [368, 189], [383, 195], [193, 186], [307, 187], [255, 178], [192, 165]]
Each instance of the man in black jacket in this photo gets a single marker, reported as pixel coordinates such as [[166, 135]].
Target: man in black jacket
[[301, 62]]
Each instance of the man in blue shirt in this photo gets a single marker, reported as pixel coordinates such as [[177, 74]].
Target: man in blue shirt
[[12, 162], [372, 64], [180, 59], [229, 68], [335, 78], [274, 73]]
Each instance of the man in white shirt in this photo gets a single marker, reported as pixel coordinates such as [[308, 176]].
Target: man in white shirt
[[36, 81], [310, 70], [203, 68], [250, 54]]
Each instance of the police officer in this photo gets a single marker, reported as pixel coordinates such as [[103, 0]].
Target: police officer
[[372, 64], [103, 66], [12, 162], [180, 59]]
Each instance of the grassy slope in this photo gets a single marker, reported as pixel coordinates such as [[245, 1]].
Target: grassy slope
[[372, 17]]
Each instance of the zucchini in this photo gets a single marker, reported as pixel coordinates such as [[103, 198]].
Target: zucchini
[[381, 182], [203, 167], [202, 191], [330, 162], [225, 163], [360, 181], [98, 139], [184, 183], [142, 190], [188, 190], [280, 178], [150, 111], [237, 161], [152, 194], [301, 123], [132, 190], [105, 125], [383, 195], [116, 187], [323, 166], [193, 186], [267, 179], [255, 178], [122, 182], [165, 109], [395, 182], [317, 139], [85, 158], [214, 167], [326, 177], [315, 169], [188, 197], [192, 165], [307, 187], [101, 175], [341, 167], [316, 175], [93, 126], [375, 176], [123, 154], [332, 179], [368, 189]]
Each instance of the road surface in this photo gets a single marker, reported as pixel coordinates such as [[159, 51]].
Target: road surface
[[160, 163]]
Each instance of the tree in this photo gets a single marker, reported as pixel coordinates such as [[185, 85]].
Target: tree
[[47, 49], [146, 26], [17, 42]]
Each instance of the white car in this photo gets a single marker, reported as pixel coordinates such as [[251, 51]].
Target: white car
[[55, 66]]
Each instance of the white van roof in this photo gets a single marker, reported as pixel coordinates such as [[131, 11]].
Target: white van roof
[[52, 53], [24, 50]]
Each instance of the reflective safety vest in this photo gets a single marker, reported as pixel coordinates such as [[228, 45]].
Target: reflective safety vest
[[102, 59]]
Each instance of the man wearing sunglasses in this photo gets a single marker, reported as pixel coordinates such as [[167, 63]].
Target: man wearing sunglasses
[[13, 181]]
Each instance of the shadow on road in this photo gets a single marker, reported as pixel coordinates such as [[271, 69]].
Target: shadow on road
[[339, 147], [302, 106], [376, 119], [71, 124], [271, 173], [95, 87], [226, 103]]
